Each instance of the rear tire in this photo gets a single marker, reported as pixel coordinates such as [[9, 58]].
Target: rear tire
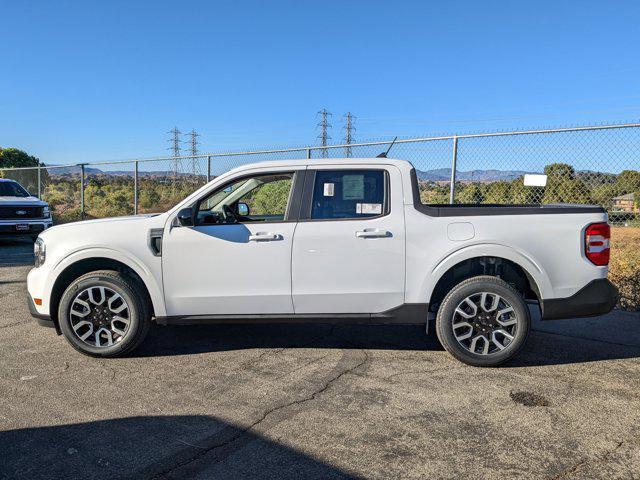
[[483, 322], [104, 314]]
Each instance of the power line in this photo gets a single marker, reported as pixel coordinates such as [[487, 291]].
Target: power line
[[175, 141], [193, 146], [175, 148], [324, 127], [349, 129]]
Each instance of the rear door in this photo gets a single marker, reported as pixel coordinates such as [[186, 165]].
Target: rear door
[[349, 246]]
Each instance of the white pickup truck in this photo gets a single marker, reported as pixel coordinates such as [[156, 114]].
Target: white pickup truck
[[332, 240], [21, 214]]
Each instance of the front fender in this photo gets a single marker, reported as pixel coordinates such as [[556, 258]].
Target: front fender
[[153, 284], [525, 261]]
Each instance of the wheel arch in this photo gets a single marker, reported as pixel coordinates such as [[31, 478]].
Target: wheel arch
[[76, 265], [496, 260]]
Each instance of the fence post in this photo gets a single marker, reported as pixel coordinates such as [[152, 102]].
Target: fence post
[[39, 183], [308, 153], [135, 187], [208, 168], [454, 161], [82, 191]]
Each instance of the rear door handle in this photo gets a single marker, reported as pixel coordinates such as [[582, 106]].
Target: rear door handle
[[264, 237], [372, 233]]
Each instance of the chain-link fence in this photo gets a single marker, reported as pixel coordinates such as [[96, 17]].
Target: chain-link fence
[[594, 165]]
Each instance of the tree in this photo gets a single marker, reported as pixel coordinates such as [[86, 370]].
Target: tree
[[603, 195], [14, 157], [433, 194], [563, 186], [499, 193], [471, 193], [628, 181], [560, 171], [269, 198], [525, 195]]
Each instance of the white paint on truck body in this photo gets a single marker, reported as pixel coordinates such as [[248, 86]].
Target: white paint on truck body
[[342, 266]]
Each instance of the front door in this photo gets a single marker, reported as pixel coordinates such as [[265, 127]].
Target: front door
[[349, 245], [236, 258]]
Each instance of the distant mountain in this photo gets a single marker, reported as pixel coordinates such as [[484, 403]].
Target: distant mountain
[[435, 175], [444, 174], [75, 170]]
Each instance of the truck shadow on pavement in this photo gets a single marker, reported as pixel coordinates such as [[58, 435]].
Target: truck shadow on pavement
[[145, 447], [609, 337]]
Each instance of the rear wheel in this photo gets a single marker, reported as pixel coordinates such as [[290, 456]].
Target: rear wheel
[[483, 322], [104, 314]]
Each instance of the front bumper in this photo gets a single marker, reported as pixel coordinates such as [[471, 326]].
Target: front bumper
[[596, 298], [8, 228], [43, 320]]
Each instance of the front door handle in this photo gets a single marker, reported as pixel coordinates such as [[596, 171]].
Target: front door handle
[[264, 237], [372, 233]]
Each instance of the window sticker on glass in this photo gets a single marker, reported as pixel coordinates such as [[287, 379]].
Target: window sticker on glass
[[353, 187], [369, 208], [329, 189]]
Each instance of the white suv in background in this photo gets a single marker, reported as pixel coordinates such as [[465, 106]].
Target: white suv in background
[[21, 214]]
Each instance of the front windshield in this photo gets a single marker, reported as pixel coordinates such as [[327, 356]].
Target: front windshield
[[12, 189], [217, 198]]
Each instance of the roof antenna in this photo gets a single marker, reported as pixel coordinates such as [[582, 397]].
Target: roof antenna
[[384, 154]]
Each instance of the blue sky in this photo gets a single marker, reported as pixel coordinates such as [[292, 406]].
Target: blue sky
[[94, 81]]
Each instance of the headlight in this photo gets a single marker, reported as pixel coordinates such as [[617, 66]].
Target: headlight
[[46, 212], [39, 253]]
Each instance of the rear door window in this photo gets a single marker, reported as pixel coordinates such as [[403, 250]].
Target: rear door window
[[349, 194]]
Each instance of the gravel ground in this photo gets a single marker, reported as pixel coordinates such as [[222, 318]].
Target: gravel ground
[[314, 401]]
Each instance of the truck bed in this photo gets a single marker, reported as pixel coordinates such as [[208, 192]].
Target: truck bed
[[474, 209]]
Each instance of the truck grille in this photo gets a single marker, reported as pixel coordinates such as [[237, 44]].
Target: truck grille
[[19, 212]]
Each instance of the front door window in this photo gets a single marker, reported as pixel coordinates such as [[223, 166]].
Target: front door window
[[261, 198]]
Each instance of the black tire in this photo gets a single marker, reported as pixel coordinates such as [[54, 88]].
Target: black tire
[[447, 315], [138, 311]]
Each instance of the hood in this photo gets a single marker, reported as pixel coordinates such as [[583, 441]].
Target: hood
[[97, 221], [22, 201], [126, 218]]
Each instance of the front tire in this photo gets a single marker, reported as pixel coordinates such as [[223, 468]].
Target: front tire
[[483, 322], [104, 314]]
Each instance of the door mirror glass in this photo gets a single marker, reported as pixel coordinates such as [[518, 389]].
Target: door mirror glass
[[243, 209], [185, 217]]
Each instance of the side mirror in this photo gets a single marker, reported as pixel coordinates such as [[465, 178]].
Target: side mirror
[[185, 217], [243, 209]]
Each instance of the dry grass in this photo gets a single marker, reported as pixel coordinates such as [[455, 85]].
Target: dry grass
[[624, 267]]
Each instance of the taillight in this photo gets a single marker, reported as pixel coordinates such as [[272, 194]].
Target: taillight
[[596, 243]]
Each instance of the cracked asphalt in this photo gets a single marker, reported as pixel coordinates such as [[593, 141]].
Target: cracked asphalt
[[314, 401]]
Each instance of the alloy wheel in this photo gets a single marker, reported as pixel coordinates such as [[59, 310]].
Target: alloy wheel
[[484, 323], [99, 316]]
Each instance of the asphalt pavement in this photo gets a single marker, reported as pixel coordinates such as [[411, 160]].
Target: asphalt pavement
[[314, 401]]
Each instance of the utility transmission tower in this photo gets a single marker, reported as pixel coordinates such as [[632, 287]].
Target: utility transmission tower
[[324, 127], [349, 129], [193, 146], [175, 149]]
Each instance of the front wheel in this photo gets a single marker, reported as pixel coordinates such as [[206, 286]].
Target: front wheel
[[104, 314], [483, 322]]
